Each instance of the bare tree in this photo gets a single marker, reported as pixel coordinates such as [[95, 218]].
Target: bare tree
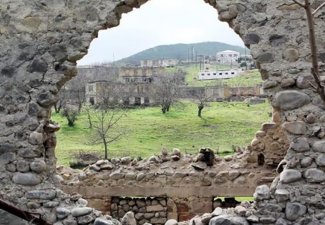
[[310, 13], [166, 89], [201, 98], [106, 127], [62, 100]]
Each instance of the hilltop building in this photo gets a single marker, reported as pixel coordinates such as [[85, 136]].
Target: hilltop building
[[159, 63], [227, 57]]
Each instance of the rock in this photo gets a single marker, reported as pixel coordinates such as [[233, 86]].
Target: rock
[[267, 219], [281, 195], [228, 220], [281, 221], [305, 162], [270, 84], [289, 176], [265, 58], [314, 175], [288, 82], [107, 166], [262, 192], [319, 146], [28, 179], [240, 210], [41, 194], [175, 157], [200, 166], [126, 160], [128, 219], [103, 221], [171, 222], [177, 152], [251, 38], [81, 211], [300, 144], [233, 174], [83, 220], [62, 213], [154, 159], [288, 100], [38, 166], [196, 221], [320, 160], [205, 218], [116, 175], [304, 81], [217, 211], [295, 127], [294, 210], [291, 55], [22, 166], [51, 204], [154, 208], [36, 138], [253, 219]]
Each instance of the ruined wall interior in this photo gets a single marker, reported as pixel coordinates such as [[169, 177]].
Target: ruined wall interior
[[40, 43]]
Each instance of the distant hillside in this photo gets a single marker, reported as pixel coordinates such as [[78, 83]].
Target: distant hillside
[[181, 51]]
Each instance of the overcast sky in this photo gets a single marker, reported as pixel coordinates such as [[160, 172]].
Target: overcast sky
[[160, 22]]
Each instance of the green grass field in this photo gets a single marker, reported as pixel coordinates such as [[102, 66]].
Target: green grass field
[[148, 130]]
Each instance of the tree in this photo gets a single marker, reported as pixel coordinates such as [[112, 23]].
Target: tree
[[71, 113], [62, 100], [310, 13], [106, 127], [166, 89], [201, 97]]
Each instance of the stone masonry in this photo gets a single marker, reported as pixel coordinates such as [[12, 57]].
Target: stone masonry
[[40, 44]]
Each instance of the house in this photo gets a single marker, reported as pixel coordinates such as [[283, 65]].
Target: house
[[159, 63], [227, 57]]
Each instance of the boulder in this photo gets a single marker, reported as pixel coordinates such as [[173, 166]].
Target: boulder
[[289, 100], [128, 219], [81, 211], [314, 175], [28, 179], [262, 192]]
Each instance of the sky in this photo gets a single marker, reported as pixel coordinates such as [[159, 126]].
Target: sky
[[159, 22]]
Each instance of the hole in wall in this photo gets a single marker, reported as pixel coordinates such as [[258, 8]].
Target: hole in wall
[[225, 120], [213, 127]]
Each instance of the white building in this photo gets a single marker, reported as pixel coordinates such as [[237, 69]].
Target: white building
[[227, 57], [221, 74]]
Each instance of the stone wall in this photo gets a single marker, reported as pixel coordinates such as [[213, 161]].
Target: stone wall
[[146, 210], [40, 44]]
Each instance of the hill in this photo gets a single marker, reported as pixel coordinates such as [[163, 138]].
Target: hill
[[181, 51]]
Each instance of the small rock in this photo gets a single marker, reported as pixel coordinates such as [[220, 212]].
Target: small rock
[[297, 128], [28, 179], [200, 166], [314, 175], [305, 162], [41, 194], [81, 211], [320, 160], [128, 219], [103, 221], [228, 219], [300, 145], [262, 192], [240, 210], [217, 211], [171, 222], [62, 213], [294, 210], [291, 55], [83, 220], [319, 146], [38, 166], [281, 195], [289, 176]]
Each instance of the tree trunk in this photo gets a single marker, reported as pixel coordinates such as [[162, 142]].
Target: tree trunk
[[106, 149], [57, 108], [163, 109], [89, 120], [70, 122], [200, 108]]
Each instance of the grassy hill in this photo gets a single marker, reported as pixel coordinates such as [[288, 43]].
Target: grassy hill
[[181, 51], [148, 130]]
